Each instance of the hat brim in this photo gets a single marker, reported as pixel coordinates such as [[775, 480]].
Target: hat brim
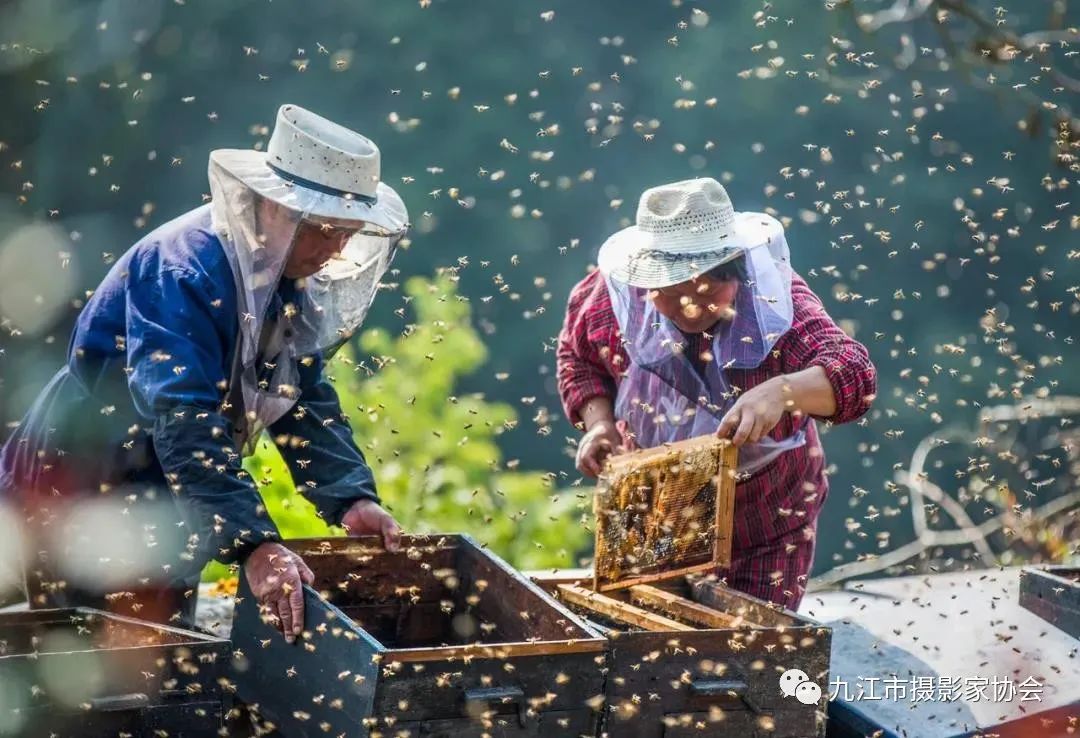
[[386, 209], [644, 260]]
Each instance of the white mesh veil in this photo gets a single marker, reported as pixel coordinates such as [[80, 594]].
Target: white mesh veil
[[664, 397], [327, 310]]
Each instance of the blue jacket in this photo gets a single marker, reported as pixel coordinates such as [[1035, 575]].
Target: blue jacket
[[137, 404]]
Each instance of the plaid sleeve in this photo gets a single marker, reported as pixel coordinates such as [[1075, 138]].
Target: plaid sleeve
[[815, 340], [580, 369]]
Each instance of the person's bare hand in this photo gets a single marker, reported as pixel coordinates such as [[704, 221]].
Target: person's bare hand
[[277, 576], [366, 517], [599, 442], [754, 414]]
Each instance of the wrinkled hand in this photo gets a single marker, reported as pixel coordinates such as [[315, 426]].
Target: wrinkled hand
[[754, 414], [365, 517], [277, 576], [599, 442]]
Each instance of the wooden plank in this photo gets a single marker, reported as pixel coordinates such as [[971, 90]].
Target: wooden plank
[[664, 576], [680, 607], [369, 545], [334, 659], [615, 609], [1052, 593], [725, 506], [509, 594], [440, 690], [671, 667], [348, 568], [495, 650], [549, 578], [759, 612]]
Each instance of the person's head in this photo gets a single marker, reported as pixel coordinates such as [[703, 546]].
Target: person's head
[[699, 303], [316, 241], [311, 166]]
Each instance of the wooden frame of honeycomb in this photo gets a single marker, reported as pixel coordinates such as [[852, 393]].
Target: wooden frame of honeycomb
[[664, 512]]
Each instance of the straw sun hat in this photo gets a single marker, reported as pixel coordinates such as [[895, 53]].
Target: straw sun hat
[[319, 168], [683, 230]]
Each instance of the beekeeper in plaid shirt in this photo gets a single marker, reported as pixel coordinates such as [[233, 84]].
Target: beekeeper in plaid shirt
[[695, 323]]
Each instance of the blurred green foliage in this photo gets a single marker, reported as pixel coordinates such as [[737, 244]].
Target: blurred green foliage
[[435, 455]]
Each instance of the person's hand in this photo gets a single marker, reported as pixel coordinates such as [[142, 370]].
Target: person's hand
[[277, 576], [365, 517], [599, 442], [754, 414]]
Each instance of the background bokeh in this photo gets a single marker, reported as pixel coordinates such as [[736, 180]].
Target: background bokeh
[[923, 169]]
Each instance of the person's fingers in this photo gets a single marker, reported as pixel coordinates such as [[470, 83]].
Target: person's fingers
[[743, 431], [296, 607], [755, 429], [583, 461], [285, 613], [391, 533], [756, 432], [278, 619], [348, 522], [587, 466], [579, 458], [595, 460], [307, 576], [729, 422], [767, 425]]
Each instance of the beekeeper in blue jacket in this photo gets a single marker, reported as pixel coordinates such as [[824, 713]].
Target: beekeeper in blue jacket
[[210, 330]]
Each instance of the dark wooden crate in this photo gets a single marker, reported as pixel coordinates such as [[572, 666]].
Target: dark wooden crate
[[440, 640], [698, 679], [86, 673], [1053, 593], [956, 625]]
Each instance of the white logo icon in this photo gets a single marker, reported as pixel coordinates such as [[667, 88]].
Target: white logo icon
[[808, 693], [795, 683]]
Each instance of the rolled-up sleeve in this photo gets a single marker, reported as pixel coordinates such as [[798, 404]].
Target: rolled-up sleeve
[[815, 340], [580, 369], [176, 353], [317, 443]]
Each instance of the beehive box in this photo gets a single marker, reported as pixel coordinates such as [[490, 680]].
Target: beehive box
[[440, 640], [1053, 593], [692, 658], [664, 512], [83, 673], [946, 655]]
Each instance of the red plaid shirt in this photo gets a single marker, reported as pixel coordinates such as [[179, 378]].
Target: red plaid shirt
[[776, 509]]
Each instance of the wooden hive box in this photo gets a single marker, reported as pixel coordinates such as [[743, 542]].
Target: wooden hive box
[[692, 658], [83, 673], [440, 640], [948, 633], [687, 656], [1053, 593]]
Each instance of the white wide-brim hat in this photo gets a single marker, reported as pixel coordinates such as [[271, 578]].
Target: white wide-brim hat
[[683, 230], [319, 168]]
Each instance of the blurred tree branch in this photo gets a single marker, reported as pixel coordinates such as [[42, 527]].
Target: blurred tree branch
[[987, 42]]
